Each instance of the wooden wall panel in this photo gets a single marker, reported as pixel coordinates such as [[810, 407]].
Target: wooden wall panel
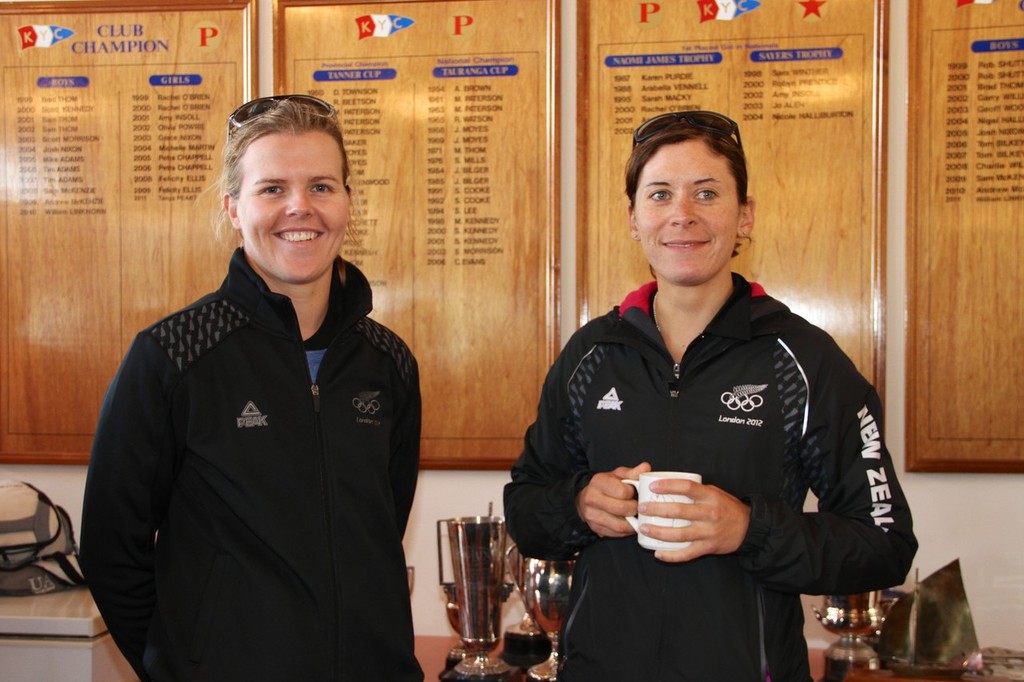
[[965, 224], [450, 112], [805, 81], [112, 130]]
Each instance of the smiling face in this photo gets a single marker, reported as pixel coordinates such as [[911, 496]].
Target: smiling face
[[292, 209], [687, 215]]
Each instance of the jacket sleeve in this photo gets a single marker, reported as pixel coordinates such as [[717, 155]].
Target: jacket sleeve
[[540, 500], [405, 450], [861, 537], [126, 493]]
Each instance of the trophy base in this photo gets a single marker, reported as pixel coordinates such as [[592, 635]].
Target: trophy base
[[452, 660], [835, 671], [849, 653], [456, 676], [455, 656], [521, 650]]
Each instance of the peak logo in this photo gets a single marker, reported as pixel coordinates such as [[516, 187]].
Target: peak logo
[[38, 35], [381, 25], [610, 401], [251, 416], [725, 10]]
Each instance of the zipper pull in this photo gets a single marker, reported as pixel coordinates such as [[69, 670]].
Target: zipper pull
[[315, 390], [673, 386]]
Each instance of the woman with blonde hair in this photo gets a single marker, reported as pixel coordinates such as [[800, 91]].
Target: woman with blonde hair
[[256, 456]]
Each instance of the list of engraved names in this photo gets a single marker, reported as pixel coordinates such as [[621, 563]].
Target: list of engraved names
[[463, 118], [55, 143], [979, 119], [67, 136], [777, 81]]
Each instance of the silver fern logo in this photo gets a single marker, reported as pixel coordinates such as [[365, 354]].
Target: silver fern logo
[[744, 397], [366, 402]]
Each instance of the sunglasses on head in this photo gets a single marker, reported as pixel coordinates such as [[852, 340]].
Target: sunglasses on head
[[252, 110], [702, 120]]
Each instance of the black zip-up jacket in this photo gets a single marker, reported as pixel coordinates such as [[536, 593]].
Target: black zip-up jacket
[[242, 522], [765, 406]]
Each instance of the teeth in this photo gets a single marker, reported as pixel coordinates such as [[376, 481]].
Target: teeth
[[298, 236]]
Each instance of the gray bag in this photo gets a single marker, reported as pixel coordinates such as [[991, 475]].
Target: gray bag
[[38, 553]]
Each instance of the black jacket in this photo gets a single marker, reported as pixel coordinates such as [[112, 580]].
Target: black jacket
[[242, 522], [765, 406]]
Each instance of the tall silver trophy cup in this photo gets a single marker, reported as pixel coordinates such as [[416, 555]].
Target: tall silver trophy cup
[[451, 607], [546, 585], [477, 550]]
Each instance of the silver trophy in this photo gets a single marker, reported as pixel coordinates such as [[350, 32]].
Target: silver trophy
[[477, 549], [525, 643], [451, 609], [546, 585], [852, 617]]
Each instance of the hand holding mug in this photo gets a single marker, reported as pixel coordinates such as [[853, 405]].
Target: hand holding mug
[[645, 495], [604, 503]]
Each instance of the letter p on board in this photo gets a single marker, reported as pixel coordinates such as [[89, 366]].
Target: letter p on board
[[207, 34], [462, 22], [648, 10]]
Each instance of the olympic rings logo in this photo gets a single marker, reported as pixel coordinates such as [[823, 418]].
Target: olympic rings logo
[[370, 406], [747, 403]]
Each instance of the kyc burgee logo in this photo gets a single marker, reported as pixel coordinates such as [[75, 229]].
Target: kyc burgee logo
[[38, 35], [381, 25]]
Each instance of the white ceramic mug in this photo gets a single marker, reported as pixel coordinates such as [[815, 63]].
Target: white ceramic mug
[[644, 494]]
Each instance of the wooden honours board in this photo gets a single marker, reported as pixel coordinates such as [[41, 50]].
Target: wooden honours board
[[449, 113], [965, 334], [804, 80], [112, 128]]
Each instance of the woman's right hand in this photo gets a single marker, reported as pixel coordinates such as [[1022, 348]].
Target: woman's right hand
[[606, 501]]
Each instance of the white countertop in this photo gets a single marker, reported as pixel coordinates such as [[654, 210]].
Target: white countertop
[[69, 613]]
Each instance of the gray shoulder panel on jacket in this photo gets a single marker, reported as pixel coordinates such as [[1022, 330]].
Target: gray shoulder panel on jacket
[[189, 333], [388, 342]]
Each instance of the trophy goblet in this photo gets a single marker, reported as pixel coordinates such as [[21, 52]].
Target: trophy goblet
[[850, 616], [525, 644], [477, 546], [546, 586]]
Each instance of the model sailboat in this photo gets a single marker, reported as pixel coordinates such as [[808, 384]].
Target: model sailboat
[[930, 632]]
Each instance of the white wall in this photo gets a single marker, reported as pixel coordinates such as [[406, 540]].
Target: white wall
[[974, 517]]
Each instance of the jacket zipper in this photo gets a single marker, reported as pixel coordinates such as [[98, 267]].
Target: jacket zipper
[[765, 672], [673, 386], [314, 390], [565, 654]]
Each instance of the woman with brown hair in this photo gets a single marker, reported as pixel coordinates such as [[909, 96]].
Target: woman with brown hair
[[701, 371]]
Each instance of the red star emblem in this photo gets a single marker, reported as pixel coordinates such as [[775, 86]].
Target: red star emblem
[[812, 7]]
